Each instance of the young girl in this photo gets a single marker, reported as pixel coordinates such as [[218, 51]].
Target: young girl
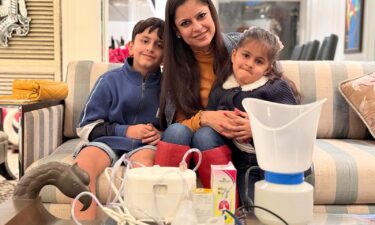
[[252, 73]]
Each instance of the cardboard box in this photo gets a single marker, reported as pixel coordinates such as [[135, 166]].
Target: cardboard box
[[223, 184]]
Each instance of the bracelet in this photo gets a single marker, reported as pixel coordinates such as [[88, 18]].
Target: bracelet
[[199, 115]]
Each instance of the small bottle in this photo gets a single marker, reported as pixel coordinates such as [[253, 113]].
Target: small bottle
[[185, 214]]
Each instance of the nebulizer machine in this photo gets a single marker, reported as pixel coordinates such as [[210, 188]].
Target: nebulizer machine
[[161, 195], [284, 138]]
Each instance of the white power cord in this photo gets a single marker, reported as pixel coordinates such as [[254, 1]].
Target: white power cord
[[117, 209]]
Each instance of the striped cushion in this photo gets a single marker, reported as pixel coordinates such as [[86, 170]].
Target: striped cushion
[[344, 171], [345, 209], [42, 133], [81, 77], [50, 194], [320, 79]]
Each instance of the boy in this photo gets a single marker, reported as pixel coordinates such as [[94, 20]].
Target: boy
[[120, 115]]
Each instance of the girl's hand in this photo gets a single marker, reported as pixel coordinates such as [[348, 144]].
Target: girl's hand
[[215, 119], [241, 130]]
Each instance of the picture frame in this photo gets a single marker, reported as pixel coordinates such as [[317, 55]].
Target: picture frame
[[353, 26]]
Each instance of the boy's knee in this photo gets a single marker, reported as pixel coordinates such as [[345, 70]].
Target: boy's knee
[[144, 157], [93, 159]]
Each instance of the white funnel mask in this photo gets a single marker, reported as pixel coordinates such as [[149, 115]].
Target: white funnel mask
[[284, 135]]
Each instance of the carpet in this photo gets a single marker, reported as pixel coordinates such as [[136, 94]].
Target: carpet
[[6, 189]]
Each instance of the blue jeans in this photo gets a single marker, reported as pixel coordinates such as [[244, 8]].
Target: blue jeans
[[204, 138], [243, 161]]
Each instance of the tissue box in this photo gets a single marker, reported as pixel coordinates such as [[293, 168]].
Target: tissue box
[[223, 184]]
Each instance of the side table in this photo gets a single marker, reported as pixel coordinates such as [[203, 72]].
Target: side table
[[4, 169], [25, 106]]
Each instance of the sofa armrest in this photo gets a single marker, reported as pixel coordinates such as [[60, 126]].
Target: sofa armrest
[[41, 131]]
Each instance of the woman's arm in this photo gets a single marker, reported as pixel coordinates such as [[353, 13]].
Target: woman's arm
[[213, 119]]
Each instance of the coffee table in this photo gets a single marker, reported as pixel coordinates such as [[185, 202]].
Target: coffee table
[[15, 212], [32, 212]]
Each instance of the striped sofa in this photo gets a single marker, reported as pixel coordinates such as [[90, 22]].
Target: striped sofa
[[343, 160]]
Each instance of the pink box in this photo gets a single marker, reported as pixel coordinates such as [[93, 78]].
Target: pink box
[[223, 184]]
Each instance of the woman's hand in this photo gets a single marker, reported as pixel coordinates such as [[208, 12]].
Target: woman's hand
[[147, 133], [241, 129]]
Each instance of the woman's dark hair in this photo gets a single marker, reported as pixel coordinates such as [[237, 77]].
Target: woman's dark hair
[[273, 45], [181, 75], [153, 23]]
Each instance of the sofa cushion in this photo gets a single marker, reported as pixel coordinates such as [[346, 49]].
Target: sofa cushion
[[360, 94], [344, 171], [81, 77], [42, 133], [344, 209], [320, 79]]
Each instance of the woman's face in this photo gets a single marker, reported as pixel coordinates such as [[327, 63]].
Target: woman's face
[[195, 25]]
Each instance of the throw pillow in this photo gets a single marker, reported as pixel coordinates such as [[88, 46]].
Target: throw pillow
[[360, 94]]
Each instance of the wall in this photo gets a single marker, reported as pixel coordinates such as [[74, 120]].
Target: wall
[[82, 31], [368, 48], [320, 18], [38, 54], [326, 17], [132, 12]]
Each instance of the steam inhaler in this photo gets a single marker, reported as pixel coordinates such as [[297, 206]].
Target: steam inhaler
[[284, 138]]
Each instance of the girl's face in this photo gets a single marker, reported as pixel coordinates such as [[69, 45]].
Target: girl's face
[[250, 62], [195, 25]]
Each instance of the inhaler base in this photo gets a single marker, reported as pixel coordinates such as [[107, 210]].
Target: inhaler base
[[293, 203]]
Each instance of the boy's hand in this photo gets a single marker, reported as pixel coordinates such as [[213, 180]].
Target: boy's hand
[[138, 131], [152, 137], [147, 133]]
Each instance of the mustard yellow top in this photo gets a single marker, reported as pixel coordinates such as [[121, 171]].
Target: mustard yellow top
[[207, 77]]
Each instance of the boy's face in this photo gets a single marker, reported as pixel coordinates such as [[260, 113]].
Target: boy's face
[[250, 62], [147, 50]]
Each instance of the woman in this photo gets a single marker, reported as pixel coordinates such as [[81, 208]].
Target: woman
[[195, 52]]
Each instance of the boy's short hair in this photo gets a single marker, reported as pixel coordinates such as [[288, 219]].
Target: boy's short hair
[[152, 23]]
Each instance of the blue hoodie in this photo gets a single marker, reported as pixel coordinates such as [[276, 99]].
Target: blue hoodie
[[120, 97]]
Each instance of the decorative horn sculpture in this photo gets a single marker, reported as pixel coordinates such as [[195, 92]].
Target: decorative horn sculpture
[[69, 179]]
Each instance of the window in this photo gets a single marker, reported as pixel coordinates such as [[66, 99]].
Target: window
[[280, 17]]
